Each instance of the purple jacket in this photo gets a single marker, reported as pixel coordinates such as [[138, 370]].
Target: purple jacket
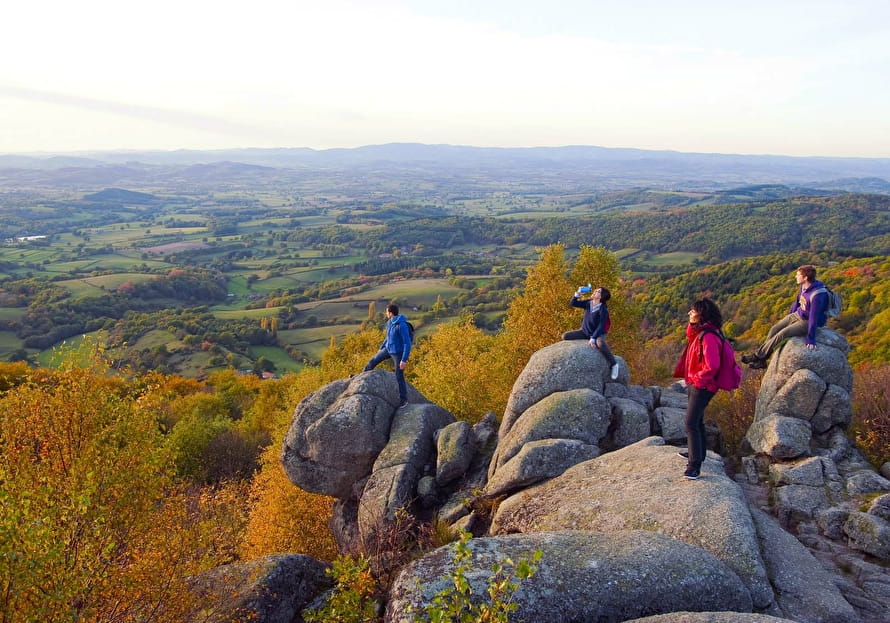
[[811, 308]]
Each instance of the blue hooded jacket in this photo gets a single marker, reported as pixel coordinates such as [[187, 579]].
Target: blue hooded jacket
[[398, 338]]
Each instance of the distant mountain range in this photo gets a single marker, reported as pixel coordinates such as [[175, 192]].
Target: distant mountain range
[[587, 167]]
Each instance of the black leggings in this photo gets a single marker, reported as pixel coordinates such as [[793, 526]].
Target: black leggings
[[695, 424]]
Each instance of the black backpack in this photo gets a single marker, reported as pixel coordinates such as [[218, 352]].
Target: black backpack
[[410, 330]]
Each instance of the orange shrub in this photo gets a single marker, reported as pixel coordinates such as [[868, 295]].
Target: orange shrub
[[733, 412], [284, 518], [94, 527], [13, 374], [871, 412]]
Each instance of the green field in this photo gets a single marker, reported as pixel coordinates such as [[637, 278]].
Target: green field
[[282, 362], [12, 313], [72, 347], [678, 258], [265, 312], [155, 338], [8, 343], [413, 291], [96, 286], [314, 341]]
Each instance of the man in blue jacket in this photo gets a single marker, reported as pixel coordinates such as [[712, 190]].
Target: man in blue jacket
[[806, 315], [397, 345]]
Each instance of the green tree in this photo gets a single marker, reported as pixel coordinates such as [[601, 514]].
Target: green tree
[[438, 306]]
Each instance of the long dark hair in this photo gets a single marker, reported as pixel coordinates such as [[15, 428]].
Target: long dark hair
[[708, 312]]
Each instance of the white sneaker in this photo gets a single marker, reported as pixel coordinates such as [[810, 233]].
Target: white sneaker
[[614, 374]]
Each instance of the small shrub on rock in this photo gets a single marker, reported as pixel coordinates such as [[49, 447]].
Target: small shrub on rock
[[455, 604], [354, 599]]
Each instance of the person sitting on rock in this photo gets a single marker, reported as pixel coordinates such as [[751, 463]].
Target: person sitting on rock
[[595, 324], [806, 315]]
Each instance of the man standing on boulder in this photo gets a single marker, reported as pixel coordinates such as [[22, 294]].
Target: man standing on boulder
[[594, 324], [396, 345], [806, 315]]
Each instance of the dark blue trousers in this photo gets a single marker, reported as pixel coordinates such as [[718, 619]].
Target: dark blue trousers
[[379, 358], [695, 425]]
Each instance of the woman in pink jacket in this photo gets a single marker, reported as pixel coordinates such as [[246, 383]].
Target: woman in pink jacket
[[698, 366]]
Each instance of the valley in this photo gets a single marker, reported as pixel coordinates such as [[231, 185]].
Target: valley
[[187, 267]]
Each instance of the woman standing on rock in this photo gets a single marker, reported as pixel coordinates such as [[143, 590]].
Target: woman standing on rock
[[698, 366]]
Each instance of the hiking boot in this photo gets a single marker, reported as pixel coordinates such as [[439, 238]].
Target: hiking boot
[[614, 373], [691, 474], [685, 455], [403, 404], [754, 362]]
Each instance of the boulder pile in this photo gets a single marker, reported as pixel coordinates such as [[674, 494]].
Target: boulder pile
[[582, 468]]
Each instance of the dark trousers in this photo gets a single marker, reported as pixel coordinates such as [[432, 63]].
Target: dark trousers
[[600, 344], [382, 356], [695, 425]]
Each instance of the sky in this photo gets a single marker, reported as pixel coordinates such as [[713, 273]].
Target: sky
[[801, 78]]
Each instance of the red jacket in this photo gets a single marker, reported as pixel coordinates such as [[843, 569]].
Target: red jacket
[[700, 360]]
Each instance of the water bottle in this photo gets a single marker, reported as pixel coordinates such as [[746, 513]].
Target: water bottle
[[585, 289]]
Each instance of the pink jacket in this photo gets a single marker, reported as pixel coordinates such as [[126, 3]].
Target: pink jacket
[[700, 360]]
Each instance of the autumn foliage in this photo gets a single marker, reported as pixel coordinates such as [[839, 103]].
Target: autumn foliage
[[471, 373], [284, 518], [871, 412], [94, 526], [115, 490]]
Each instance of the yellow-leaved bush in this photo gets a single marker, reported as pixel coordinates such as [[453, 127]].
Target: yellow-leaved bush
[[283, 517], [93, 526], [457, 368]]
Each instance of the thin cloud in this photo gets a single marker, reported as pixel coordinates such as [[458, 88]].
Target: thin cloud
[[177, 118]]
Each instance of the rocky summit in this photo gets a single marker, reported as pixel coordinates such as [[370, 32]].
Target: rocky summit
[[582, 468]]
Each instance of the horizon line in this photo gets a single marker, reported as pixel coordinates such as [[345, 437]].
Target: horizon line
[[82, 152]]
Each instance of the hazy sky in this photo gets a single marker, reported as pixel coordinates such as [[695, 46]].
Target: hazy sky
[[731, 76]]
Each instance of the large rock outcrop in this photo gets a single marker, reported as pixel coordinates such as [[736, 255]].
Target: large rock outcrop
[[709, 617], [815, 473], [349, 440], [584, 576], [273, 589], [579, 468], [809, 475], [564, 409], [804, 395], [805, 591], [560, 367], [641, 487]]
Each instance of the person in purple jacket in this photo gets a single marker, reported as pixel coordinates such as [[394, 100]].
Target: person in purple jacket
[[806, 315], [594, 325]]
